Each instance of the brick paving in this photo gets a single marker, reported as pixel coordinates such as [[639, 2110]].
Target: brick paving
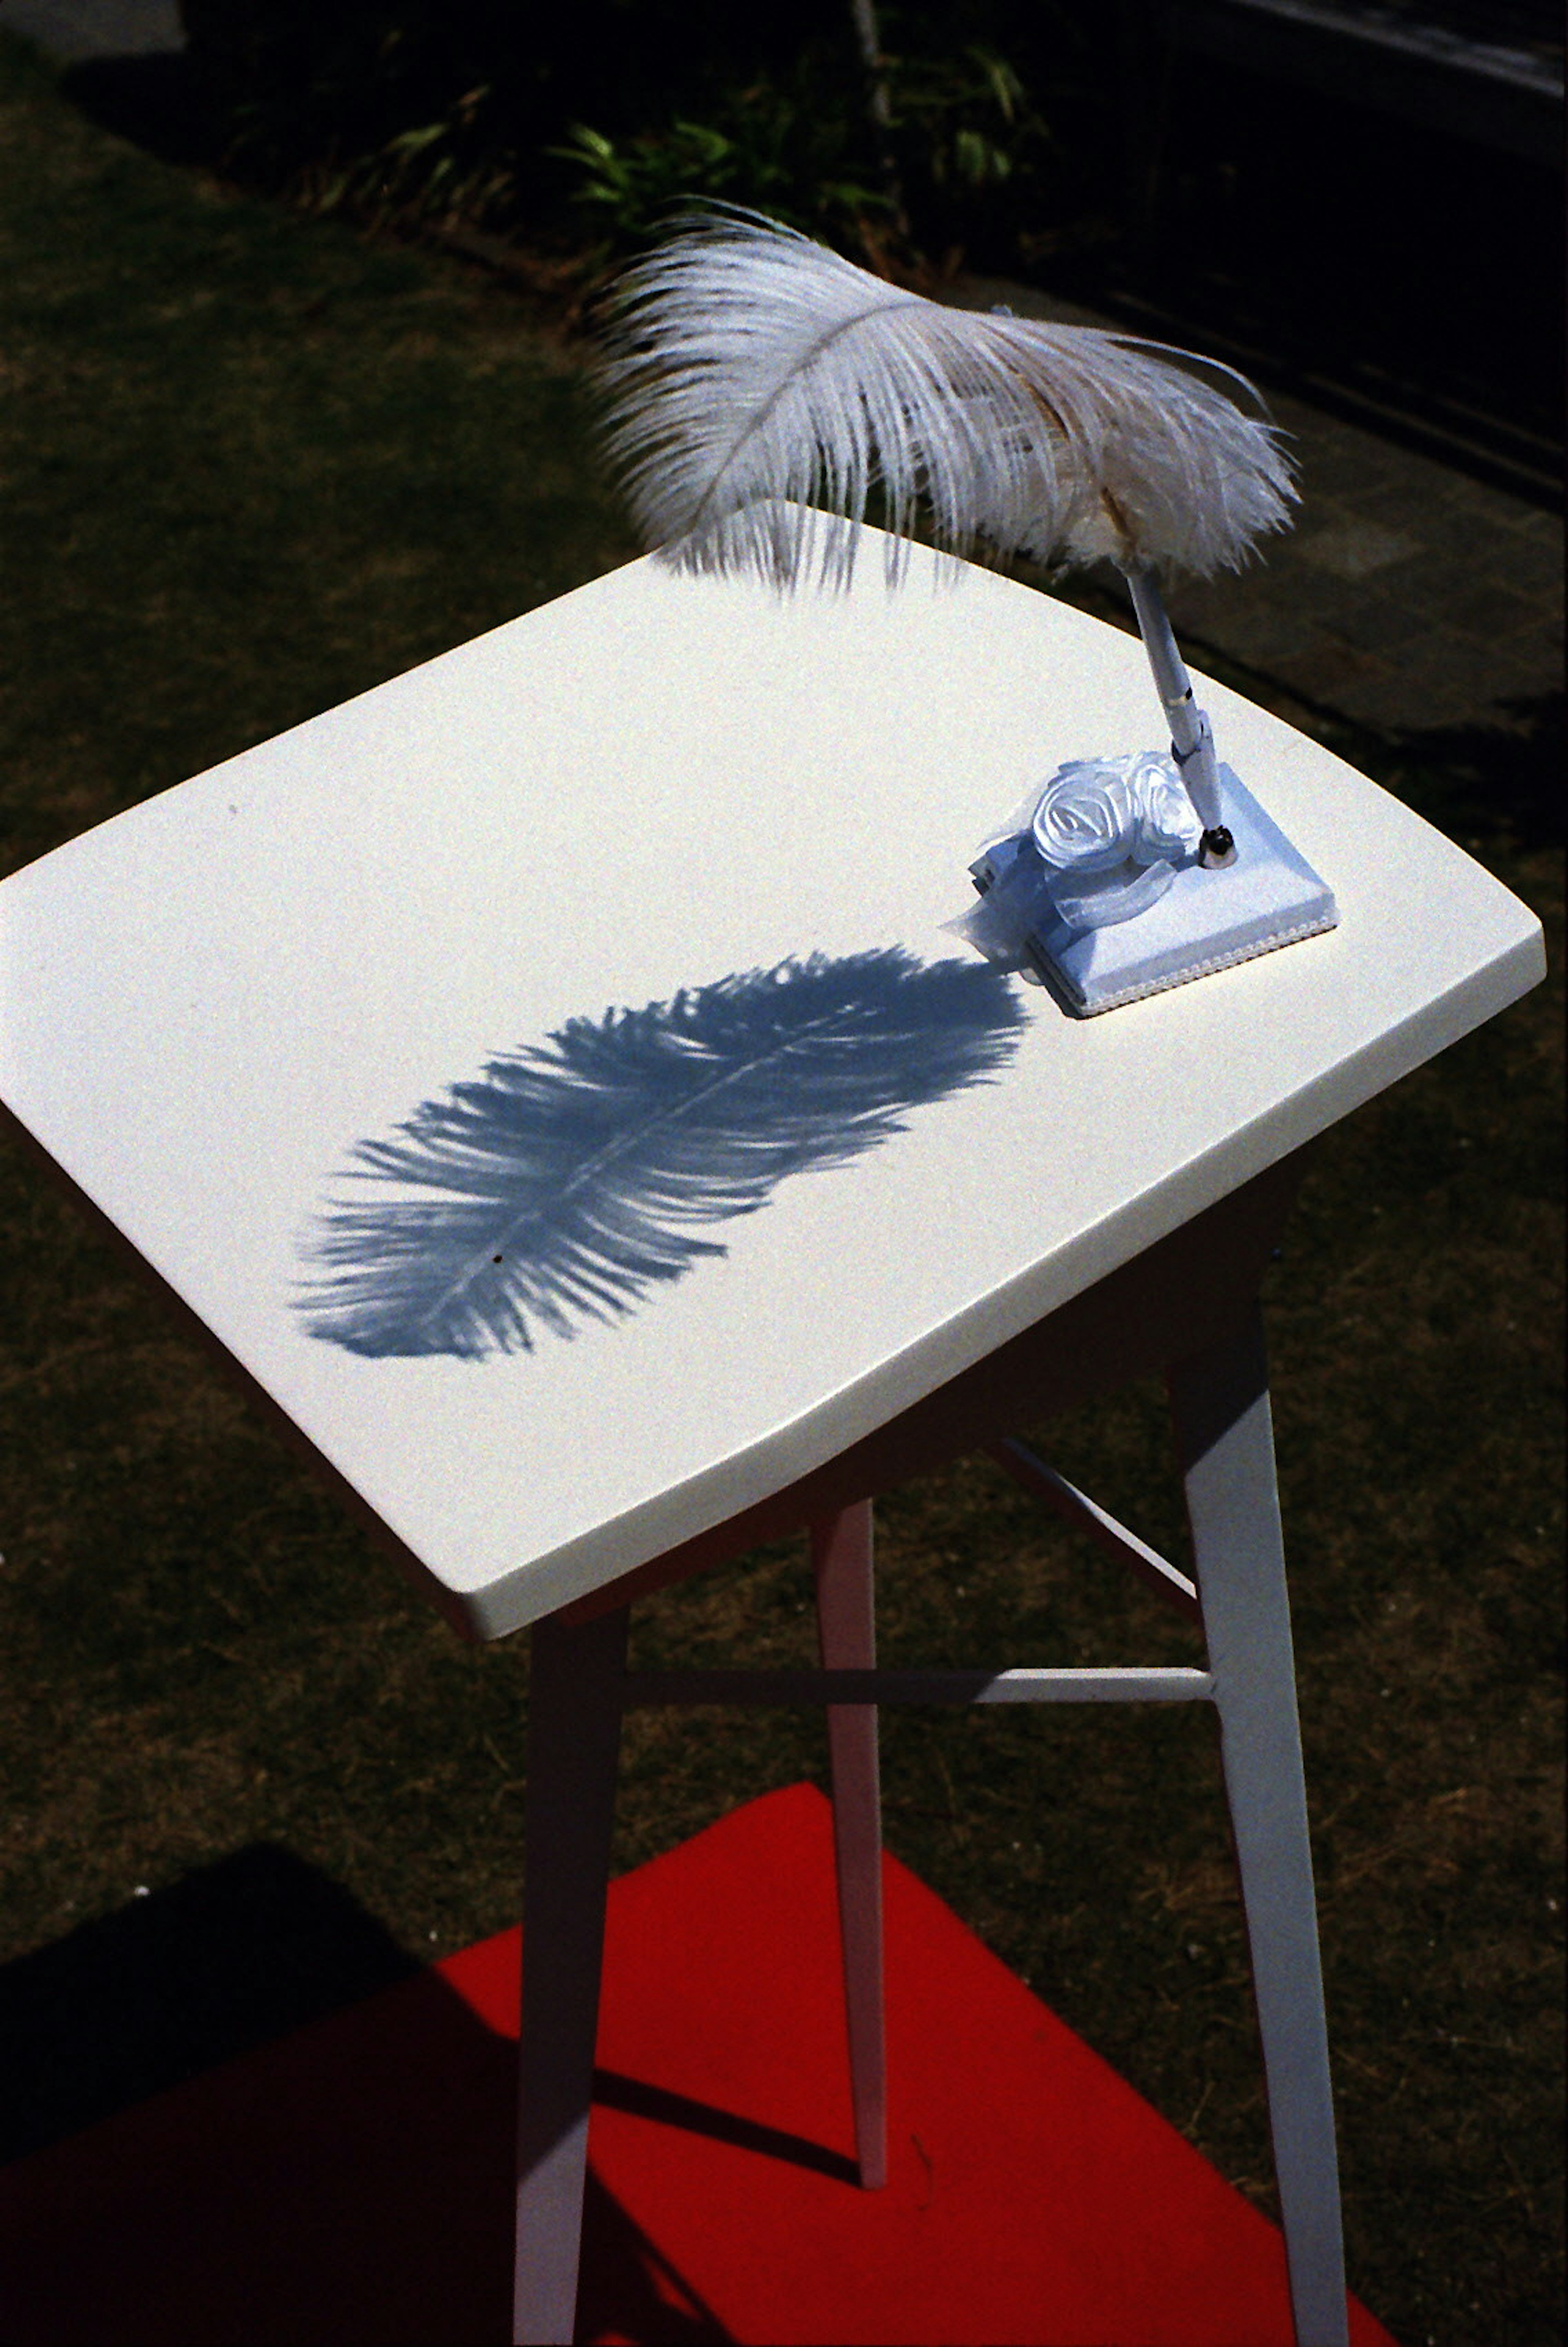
[[1407, 596]]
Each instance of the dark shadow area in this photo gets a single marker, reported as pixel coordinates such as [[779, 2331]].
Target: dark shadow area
[[1206, 173], [1499, 786], [350, 2180], [1483, 782], [576, 1174], [645, 2102], [232, 1956], [1403, 273], [155, 102], [629, 2290]]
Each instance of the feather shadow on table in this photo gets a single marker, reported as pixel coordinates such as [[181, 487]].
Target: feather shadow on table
[[577, 1174]]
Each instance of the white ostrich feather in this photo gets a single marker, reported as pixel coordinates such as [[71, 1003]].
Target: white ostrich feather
[[751, 372]]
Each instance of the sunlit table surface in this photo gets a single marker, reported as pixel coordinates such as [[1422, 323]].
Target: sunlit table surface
[[656, 784]]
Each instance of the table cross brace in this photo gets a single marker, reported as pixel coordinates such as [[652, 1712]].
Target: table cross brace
[[757, 1688], [1076, 1508], [1220, 1394]]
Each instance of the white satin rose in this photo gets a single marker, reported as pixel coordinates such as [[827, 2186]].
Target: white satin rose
[[1099, 813], [1099, 844]]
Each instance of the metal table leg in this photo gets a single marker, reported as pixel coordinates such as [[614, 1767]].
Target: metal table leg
[[574, 1744], [1220, 1404], [846, 1621]]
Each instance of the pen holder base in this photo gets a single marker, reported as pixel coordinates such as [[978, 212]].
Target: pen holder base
[[1210, 918]]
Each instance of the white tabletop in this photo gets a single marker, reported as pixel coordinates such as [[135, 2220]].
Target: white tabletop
[[649, 785]]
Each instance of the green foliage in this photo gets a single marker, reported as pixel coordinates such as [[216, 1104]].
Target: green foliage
[[801, 145], [965, 121], [396, 113], [444, 172], [610, 114], [763, 150]]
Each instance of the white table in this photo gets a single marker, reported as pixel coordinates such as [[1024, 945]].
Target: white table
[[648, 786]]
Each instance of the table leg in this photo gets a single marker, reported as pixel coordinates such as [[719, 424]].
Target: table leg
[[1220, 1404], [846, 1625], [573, 1746]]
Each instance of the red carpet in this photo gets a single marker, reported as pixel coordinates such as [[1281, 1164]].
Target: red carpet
[[350, 2183]]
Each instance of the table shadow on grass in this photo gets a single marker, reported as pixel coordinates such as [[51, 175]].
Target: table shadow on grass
[[579, 1174], [151, 99], [277, 2125], [179, 1979]]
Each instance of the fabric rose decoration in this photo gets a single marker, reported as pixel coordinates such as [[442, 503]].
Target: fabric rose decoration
[[1110, 833], [1099, 813], [1098, 845]]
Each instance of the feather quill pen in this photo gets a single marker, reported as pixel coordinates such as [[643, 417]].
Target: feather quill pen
[[759, 388], [576, 1176], [754, 379]]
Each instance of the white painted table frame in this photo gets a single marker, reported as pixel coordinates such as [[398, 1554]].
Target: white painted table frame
[[656, 784], [1199, 1322]]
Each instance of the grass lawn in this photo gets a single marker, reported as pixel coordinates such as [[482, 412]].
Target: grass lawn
[[250, 466]]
